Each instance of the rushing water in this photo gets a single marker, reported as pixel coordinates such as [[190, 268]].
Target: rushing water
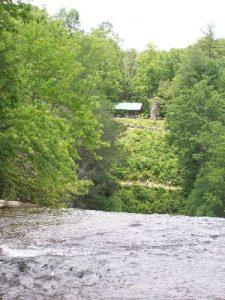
[[75, 254]]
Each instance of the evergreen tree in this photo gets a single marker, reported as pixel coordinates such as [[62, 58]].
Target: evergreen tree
[[196, 118]]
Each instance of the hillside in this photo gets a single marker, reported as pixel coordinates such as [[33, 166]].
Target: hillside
[[148, 157], [147, 175]]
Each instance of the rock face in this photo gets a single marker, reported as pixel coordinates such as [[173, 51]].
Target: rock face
[[13, 204]]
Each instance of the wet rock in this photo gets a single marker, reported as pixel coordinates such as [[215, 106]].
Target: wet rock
[[80, 274], [135, 224], [22, 267], [214, 236]]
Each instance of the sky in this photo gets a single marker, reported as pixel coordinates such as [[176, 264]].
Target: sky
[[165, 23]]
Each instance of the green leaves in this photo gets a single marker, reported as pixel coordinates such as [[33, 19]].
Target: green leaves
[[69, 20], [196, 121], [138, 199], [40, 165], [51, 88], [148, 157]]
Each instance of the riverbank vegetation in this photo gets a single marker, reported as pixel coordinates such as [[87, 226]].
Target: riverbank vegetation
[[147, 157], [147, 176], [57, 85], [59, 142]]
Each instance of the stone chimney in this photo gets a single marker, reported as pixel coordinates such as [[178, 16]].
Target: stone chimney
[[154, 112]]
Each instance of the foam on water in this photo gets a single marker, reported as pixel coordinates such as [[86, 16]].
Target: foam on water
[[73, 254], [6, 251]]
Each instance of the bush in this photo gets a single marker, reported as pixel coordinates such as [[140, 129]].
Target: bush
[[148, 157], [136, 199]]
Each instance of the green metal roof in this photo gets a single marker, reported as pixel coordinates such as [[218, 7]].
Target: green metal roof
[[135, 106]]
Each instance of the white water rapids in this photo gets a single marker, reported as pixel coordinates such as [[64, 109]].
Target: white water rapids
[[75, 254]]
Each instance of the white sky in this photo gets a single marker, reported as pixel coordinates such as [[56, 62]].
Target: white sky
[[165, 23]]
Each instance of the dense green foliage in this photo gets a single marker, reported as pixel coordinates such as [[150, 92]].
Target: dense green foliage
[[196, 120], [52, 98], [145, 159], [58, 141], [150, 73], [138, 199], [148, 157]]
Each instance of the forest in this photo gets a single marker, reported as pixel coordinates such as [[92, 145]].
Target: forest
[[60, 144]]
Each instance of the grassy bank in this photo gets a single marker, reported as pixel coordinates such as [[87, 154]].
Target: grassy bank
[[147, 157], [148, 173], [139, 199]]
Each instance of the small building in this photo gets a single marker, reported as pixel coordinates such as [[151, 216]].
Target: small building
[[128, 108]]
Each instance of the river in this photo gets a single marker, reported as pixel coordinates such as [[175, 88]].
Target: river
[[76, 254]]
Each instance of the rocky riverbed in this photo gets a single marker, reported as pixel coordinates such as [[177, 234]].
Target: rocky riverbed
[[75, 254]]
